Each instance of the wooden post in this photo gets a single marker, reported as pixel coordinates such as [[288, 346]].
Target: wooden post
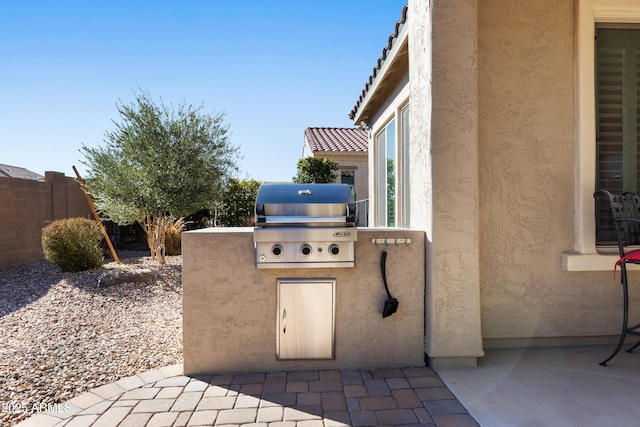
[[96, 216]]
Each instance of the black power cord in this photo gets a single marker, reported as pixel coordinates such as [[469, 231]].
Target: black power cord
[[391, 304]]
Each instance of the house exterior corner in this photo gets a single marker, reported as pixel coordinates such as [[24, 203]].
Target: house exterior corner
[[498, 167]]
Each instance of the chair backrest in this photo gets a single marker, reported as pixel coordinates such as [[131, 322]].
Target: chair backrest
[[623, 206]]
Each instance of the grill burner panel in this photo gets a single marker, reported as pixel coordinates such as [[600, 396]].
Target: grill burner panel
[[298, 247], [305, 226]]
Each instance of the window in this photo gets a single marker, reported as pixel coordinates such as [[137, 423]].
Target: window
[[617, 125], [589, 13], [386, 148], [348, 177], [404, 145], [392, 179]]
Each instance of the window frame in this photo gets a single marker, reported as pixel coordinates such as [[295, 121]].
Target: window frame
[[616, 100], [349, 171], [404, 155], [385, 139], [397, 112], [589, 13]]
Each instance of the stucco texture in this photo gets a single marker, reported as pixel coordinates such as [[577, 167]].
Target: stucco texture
[[493, 134], [229, 306], [444, 171], [526, 158]]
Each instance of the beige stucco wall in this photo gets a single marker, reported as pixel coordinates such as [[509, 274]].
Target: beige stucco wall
[[526, 86], [493, 134], [229, 306], [444, 187]]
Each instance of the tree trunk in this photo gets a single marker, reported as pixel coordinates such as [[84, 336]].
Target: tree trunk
[[148, 228], [156, 229], [160, 227]]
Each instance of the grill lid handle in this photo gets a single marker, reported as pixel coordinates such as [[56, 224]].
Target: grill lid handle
[[306, 192]]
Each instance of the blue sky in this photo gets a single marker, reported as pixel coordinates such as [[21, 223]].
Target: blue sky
[[273, 67]]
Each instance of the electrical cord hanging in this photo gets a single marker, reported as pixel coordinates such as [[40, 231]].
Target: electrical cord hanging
[[391, 304]]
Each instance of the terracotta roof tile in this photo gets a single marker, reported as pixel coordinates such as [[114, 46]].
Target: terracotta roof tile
[[381, 60], [17, 172], [337, 139]]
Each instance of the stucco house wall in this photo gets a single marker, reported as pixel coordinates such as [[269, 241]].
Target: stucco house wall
[[444, 173], [498, 159], [528, 141], [526, 137]]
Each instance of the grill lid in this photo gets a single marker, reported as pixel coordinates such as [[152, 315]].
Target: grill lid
[[304, 205]]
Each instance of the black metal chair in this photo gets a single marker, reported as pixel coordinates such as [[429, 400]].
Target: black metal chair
[[625, 212]]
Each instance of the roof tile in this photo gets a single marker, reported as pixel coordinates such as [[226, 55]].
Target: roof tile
[[337, 139], [381, 59]]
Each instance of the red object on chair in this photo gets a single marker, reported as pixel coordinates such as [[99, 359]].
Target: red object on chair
[[633, 256]]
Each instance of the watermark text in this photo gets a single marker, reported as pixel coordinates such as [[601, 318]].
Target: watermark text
[[13, 407]]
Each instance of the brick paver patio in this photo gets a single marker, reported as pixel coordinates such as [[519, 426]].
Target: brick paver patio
[[165, 397]]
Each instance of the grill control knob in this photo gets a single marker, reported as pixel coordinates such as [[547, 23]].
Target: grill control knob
[[277, 250], [334, 249], [305, 249]]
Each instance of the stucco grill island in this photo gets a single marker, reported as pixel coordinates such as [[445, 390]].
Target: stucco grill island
[[301, 290], [305, 226]]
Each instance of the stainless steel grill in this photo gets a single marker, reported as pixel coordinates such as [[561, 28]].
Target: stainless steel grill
[[305, 226]]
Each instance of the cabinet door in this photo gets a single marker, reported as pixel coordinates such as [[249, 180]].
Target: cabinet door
[[306, 313]]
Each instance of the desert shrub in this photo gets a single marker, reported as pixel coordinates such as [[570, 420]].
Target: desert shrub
[[172, 240], [73, 244], [238, 203]]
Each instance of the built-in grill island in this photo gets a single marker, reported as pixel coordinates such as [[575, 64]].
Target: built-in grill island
[[302, 289], [305, 226]]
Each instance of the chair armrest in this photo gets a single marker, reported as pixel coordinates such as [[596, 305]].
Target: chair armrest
[[627, 220]]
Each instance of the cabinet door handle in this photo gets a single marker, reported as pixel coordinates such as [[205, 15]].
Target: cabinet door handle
[[284, 320]]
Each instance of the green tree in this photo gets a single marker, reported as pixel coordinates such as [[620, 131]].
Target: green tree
[[238, 203], [391, 193], [316, 170], [159, 163]]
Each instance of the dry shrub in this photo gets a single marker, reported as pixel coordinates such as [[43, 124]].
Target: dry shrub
[[73, 244], [172, 240]]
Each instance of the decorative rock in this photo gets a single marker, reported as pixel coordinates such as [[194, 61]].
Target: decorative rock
[[57, 334], [116, 277]]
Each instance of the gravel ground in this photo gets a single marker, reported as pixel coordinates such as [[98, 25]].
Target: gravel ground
[[61, 335]]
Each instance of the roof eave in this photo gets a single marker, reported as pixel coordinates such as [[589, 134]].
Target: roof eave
[[391, 56]]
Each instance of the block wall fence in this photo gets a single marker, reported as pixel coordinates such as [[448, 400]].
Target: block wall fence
[[26, 206]]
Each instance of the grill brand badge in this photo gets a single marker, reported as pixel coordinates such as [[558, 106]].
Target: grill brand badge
[[342, 234]]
